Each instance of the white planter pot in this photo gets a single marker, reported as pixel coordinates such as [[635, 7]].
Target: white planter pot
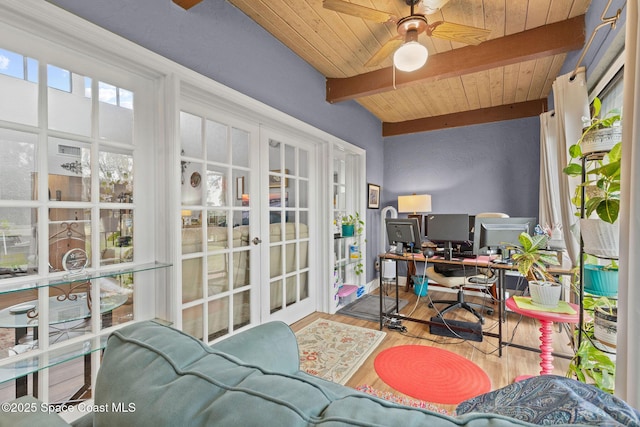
[[601, 139], [600, 238], [545, 294], [605, 328]]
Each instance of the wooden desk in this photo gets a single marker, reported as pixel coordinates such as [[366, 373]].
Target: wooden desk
[[479, 262]]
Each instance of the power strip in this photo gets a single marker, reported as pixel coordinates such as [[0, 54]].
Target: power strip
[[397, 328], [396, 325]]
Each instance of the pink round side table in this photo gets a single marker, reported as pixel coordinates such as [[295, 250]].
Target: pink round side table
[[546, 319]]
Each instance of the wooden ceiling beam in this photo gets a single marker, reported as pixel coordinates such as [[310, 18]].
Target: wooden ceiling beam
[[187, 4], [483, 115], [540, 42]]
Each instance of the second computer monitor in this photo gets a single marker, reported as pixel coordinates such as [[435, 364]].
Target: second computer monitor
[[447, 229], [491, 235]]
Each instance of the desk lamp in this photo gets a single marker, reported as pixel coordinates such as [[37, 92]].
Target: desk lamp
[[413, 204]]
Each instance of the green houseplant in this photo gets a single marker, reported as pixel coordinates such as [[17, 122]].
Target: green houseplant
[[602, 183], [601, 186], [353, 225], [590, 364], [603, 179], [532, 259]]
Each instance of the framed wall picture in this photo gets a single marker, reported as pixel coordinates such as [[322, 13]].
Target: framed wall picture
[[239, 187], [274, 180], [373, 196]]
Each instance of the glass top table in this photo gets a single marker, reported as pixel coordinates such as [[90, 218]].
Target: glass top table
[[64, 311]]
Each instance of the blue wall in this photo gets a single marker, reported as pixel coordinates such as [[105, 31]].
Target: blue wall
[[471, 169], [602, 40]]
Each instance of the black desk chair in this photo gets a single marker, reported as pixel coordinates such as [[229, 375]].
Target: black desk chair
[[485, 280]]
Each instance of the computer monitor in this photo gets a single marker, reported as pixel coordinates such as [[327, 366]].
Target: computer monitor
[[492, 235], [447, 229], [472, 223], [404, 232]]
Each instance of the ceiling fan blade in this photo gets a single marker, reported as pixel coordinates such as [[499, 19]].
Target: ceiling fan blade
[[458, 32], [383, 53], [357, 10]]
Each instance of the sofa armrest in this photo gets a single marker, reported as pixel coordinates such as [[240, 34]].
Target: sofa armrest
[[256, 347], [28, 411]]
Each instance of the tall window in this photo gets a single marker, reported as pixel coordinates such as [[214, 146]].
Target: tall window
[[611, 95], [66, 207]]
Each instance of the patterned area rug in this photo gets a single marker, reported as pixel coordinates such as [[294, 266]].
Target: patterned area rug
[[401, 400], [334, 351]]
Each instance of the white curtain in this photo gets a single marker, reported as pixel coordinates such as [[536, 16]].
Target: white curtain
[[549, 214], [628, 348], [558, 132]]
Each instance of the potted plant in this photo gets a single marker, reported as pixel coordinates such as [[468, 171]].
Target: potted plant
[[602, 182], [352, 225], [605, 322], [532, 259], [599, 133], [601, 280], [593, 363]]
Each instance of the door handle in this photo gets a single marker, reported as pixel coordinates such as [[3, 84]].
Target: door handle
[[256, 241]]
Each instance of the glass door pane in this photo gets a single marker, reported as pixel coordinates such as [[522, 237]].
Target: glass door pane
[[216, 221], [288, 217]]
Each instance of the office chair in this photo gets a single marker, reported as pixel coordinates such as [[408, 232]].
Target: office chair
[[487, 279]]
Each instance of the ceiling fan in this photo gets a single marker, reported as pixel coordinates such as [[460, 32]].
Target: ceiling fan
[[409, 55]]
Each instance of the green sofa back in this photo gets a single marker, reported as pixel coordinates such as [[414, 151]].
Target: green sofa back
[[250, 379]]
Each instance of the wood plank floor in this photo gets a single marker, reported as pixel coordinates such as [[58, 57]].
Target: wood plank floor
[[501, 370]]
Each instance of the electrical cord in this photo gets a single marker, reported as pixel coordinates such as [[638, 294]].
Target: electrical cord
[[423, 283], [395, 324]]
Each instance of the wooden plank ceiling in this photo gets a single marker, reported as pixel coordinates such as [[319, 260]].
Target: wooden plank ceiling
[[508, 76]]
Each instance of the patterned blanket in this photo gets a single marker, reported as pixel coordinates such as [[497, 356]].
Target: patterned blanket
[[551, 399]]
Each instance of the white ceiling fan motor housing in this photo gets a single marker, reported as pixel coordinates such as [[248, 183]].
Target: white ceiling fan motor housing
[[432, 6]]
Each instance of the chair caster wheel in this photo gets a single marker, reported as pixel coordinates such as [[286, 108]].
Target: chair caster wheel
[[490, 311], [430, 305], [482, 321]]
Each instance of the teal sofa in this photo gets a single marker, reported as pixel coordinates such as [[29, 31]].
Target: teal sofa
[[154, 375]]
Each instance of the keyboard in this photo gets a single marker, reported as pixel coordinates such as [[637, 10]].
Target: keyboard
[[464, 254]]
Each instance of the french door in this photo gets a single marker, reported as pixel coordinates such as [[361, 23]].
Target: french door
[[245, 224], [288, 288], [220, 263]]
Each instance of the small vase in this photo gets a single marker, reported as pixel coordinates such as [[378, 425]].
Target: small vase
[[347, 230], [545, 294]]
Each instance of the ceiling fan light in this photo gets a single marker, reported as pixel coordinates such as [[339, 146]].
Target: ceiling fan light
[[410, 56]]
